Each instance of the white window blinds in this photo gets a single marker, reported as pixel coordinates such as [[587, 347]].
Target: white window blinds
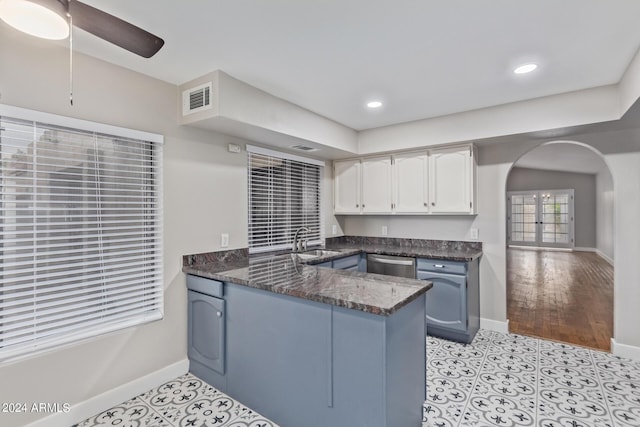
[[80, 229], [284, 195]]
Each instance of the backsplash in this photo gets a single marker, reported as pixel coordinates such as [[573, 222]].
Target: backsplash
[[212, 257], [396, 241]]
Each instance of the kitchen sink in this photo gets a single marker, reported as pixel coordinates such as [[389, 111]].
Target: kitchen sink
[[316, 253]]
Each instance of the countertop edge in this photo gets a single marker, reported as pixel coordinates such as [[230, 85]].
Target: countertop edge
[[366, 308]]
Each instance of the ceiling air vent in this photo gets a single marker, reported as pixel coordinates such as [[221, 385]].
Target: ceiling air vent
[[303, 148], [197, 99]]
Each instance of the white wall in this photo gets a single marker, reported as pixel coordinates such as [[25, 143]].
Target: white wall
[[204, 195], [604, 214], [550, 112]]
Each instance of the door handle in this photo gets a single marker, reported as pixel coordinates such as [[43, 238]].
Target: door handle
[[219, 313], [439, 265], [392, 261]]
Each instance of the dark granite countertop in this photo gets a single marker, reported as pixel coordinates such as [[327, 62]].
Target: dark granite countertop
[[289, 275], [284, 274]]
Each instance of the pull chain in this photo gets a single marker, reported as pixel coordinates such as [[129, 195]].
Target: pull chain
[[70, 58]]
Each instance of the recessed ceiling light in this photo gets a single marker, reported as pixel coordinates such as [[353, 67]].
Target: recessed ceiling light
[[526, 68], [374, 104]]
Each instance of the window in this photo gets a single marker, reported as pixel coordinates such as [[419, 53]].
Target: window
[[80, 230], [284, 195]]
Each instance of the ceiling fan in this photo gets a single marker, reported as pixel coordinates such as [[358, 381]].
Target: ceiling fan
[[52, 19]]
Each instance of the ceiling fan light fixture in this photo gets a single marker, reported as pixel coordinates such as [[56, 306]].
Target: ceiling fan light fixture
[[40, 18]]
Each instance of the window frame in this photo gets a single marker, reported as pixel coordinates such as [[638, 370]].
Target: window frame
[[251, 150], [155, 142]]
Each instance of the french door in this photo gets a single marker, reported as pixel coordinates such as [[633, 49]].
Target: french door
[[540, 218]]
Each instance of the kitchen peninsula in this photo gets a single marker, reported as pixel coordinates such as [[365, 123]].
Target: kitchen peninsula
[[308, 345]]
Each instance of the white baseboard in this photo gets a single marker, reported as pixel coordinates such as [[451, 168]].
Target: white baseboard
[[93, 406], [597, 251], [495, 325], [623, 350], [604, 256]]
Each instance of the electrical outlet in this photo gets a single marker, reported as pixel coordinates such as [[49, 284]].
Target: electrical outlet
[[224, 240], [384, 230], [334, 229], [473, 234], [233, 148]]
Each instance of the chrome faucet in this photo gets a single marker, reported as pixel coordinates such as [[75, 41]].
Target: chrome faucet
[[299, 245]]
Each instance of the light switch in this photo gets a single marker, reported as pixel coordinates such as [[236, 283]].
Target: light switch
[[334, 229], [384, 230], [224, 240]]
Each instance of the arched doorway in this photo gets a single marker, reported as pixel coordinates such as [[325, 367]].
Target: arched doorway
[[560, 245]]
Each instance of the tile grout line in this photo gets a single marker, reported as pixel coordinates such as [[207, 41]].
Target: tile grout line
[[602, 390], [536, 412], [158, 413], [475, 382]]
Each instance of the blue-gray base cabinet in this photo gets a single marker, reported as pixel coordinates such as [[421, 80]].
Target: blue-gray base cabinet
[[453, 304], [304, 363], [350, 263], [206, 330]]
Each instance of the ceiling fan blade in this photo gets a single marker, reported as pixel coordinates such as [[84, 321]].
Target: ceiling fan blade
[[114, 30]]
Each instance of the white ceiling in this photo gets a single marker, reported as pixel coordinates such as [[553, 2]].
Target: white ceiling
[[421, 58], [562, 157]]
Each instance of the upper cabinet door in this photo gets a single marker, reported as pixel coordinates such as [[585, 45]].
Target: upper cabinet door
[[346, 189], [376, 185], [410, 183], [450, 180]]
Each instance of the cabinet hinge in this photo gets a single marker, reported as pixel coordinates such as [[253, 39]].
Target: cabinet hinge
[[471, 204], [470, 152]]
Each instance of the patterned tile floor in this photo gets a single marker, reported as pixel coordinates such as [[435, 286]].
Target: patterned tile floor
[[498, 380], [186, 401], [511, 380]]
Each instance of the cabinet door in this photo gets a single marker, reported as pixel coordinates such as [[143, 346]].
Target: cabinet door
[[346, 191], [450, 180], [376, 185], [347, 263], [446, 301], [206, 331], [410, 183]]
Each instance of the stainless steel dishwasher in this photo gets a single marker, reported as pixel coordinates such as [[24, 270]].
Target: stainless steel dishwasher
[[399, 266]]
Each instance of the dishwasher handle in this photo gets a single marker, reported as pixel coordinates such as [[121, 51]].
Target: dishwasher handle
[[393, 261]]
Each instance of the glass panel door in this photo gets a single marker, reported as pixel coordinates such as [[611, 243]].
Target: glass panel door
[[555, 218], [540, 218], [523, 218]]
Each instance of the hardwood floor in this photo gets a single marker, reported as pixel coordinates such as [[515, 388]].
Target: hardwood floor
[[563, 296]]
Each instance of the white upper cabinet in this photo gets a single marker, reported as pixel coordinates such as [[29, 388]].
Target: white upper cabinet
[[451, 180], [376, 185], [435, 181], [410, 183], [346, 179]]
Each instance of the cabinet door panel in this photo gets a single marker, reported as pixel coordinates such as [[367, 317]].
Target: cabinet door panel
[[347, 186], [450, 176], [411, 190], [347, 263], [446, 301], [376, 185], [206, 329]]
